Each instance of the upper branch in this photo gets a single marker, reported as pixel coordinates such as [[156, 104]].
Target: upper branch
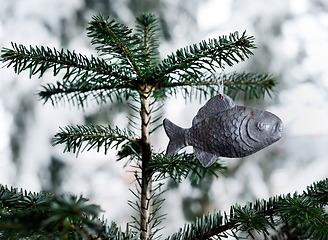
[[97, 87], [251, 84], [39, 60], [115, 40], [83, 76], [206, 55], [147, 29]]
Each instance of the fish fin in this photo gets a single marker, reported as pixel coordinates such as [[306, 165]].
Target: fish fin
[[215, 105], [205, 158], [176, 135]]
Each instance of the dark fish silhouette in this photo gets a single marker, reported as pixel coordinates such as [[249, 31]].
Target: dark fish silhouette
[[224, 129]]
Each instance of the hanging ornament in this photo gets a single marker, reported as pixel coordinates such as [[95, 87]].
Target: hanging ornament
[[223, 129]]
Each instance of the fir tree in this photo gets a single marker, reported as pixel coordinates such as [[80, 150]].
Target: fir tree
[[129, 69]]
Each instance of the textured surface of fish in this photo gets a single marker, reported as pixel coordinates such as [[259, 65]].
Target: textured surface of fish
[[223, 129]]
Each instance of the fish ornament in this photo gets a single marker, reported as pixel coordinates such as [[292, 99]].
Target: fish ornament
[[223, 129]]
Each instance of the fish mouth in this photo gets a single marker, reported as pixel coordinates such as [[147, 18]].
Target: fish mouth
[[278, 129]]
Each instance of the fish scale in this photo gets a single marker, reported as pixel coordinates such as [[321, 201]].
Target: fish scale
[[216, 142], [223, 129]]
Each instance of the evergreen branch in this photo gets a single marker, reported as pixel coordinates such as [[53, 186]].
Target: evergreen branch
[[15, 200], [26, 215], [251, 84], [115, 233], [214, 53], [318, 192], [147, 28], [200, 227], [45, 216], [278, 212], [83, 76], [39, 59], [92, 137], [115, 40], [179, 166], [79, 91], [132, 150]]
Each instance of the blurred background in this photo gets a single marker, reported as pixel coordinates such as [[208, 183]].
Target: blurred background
[[292, 41]]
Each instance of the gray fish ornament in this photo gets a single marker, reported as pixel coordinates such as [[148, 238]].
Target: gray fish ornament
[[223, 129]]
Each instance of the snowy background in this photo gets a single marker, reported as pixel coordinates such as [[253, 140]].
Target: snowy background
[[292, 40]]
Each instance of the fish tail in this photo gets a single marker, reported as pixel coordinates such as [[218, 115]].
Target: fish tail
[[176, 135]]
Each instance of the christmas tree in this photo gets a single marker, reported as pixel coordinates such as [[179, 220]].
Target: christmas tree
[[129, 70]]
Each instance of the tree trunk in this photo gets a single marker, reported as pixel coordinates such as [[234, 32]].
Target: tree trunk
[[146, 178]]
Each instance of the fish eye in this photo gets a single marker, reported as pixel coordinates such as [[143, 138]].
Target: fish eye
[[261, 125]]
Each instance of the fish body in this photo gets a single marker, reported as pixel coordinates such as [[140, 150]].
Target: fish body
[[223, 129]]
